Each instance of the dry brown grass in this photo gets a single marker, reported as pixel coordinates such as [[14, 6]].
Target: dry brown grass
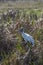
[[21, 5]]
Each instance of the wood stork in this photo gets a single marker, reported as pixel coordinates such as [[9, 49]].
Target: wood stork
[[27, 37]]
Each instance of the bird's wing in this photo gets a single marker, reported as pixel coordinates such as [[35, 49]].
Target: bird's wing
[[26, 37], [29, 38], [26, 34]]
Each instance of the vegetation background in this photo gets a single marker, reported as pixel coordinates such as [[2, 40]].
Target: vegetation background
[[14, 15]]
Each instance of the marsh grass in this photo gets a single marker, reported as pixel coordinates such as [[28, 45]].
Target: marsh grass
[[28, 27]]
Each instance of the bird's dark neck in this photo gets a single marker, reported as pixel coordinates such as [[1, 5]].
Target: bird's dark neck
[[22, 32]]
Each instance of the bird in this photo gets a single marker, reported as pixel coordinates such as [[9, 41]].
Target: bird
[[26, 37]]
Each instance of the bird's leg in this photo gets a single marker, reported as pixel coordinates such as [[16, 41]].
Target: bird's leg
[[22, 39], [25, 45], [25, 42]]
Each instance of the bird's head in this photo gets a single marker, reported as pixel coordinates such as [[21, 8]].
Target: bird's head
[[21, 30]]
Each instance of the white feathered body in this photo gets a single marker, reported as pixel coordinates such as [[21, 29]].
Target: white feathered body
[[28, 38]]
